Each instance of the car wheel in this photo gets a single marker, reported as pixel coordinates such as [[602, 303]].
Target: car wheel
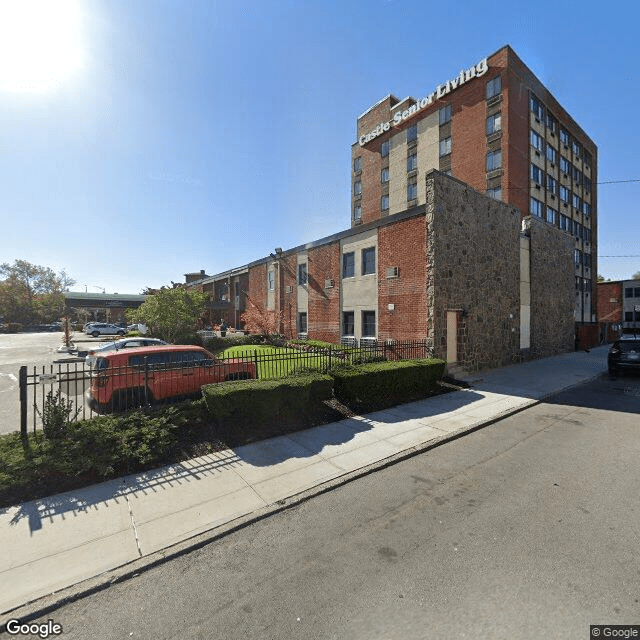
[[95, 334], [120, 333]]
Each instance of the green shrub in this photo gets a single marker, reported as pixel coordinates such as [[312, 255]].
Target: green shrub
[[384, 384], [216, 343], [56, 414], [255, 409]]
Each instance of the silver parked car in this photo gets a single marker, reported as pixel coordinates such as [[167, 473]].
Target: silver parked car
[[125, 343]]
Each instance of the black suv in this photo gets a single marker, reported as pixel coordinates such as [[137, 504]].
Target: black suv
[[624, 354]]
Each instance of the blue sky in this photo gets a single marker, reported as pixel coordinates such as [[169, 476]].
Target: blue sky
[[141, 140]]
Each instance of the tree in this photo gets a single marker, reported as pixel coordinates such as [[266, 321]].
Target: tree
[[171, 313], [31, 292], [257, 319], [636, 276]]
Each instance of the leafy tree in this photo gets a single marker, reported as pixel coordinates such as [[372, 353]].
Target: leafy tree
[[171, 313], [636, 276], [257, 319], [31, 292]]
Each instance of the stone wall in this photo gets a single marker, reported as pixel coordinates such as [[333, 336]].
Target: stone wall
[[473, 254], [552, 289]]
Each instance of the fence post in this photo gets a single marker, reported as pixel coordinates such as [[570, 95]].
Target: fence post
[[255, 360], [146, 381], [23, 403]]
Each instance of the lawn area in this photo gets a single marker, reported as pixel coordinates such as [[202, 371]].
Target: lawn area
[[276, 362]]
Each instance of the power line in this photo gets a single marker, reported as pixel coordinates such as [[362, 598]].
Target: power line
[[634, 256]]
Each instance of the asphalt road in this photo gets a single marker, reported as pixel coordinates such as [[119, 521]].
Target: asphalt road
[[528, 528], [31, 349]]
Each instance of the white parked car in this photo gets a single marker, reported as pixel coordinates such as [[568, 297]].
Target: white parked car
[[104, 329], [125, 343]]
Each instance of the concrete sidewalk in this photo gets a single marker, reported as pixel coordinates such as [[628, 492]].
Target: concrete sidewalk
[[75, 542]]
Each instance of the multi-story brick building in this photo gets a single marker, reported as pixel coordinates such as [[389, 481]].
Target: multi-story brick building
[[619, 303], [473, 226], [497, 128]]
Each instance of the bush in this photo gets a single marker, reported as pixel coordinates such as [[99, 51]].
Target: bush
[[250, 410], [56, 415], [380, 385], [220, 344]]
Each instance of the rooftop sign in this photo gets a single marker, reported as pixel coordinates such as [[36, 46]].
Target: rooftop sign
[[476, 71]]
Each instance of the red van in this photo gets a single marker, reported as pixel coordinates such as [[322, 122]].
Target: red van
[[129, 378]]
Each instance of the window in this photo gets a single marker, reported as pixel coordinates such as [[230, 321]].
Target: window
[[494, 87], [537, 174], [628, 292], [564, 194], [348, 265], [536, 108], [587, 234], [577, 202], [628, 316], [536, 208], [368, 261], [552, 185], [552, 123], [636, 292], [565, 165], [412, 162], [494, 123], [552, 154], [302, 273], [412, 190], [357, 212], [587, 260], [564, 136], [384, 175], [384, 203], [495, 193], [368, 324], [577, 175], [384, 149], [357, 164], [587, 158], [412, 133], [348, 324], [564, 222], [536, 141], [586, 208], [302, 322], [577, 148], [586, 183], [271, 280], [357, 188], [578, 257], [445, 114], [445, 146], [552, 215], [494, 160]]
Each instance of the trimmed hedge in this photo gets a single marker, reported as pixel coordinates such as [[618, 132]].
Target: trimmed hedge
[[249, 410], [379, 385]]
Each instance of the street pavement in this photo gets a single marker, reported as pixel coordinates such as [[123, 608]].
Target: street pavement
[[74, 543]]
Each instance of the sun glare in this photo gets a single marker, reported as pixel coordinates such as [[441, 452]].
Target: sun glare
[[40, 43]]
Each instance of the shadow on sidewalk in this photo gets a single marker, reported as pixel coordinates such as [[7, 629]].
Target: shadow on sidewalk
[[114, 492], [311, 442], [264, 453]]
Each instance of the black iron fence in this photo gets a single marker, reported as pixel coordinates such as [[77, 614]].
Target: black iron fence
[[74, 389]]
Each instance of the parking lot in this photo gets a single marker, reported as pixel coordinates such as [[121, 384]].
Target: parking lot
[[31, 349]]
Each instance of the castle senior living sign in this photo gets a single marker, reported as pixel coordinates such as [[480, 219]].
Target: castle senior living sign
[[476, 71]]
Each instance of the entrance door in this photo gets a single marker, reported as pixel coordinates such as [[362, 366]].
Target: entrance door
[[452, 337]]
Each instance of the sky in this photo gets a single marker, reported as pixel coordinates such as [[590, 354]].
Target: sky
[[141, 140]]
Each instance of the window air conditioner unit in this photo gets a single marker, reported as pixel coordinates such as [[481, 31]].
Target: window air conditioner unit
[[392, 272], [289, 288], [328, 283]]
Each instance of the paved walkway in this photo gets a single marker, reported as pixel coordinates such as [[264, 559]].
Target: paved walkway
[[78, 541]]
